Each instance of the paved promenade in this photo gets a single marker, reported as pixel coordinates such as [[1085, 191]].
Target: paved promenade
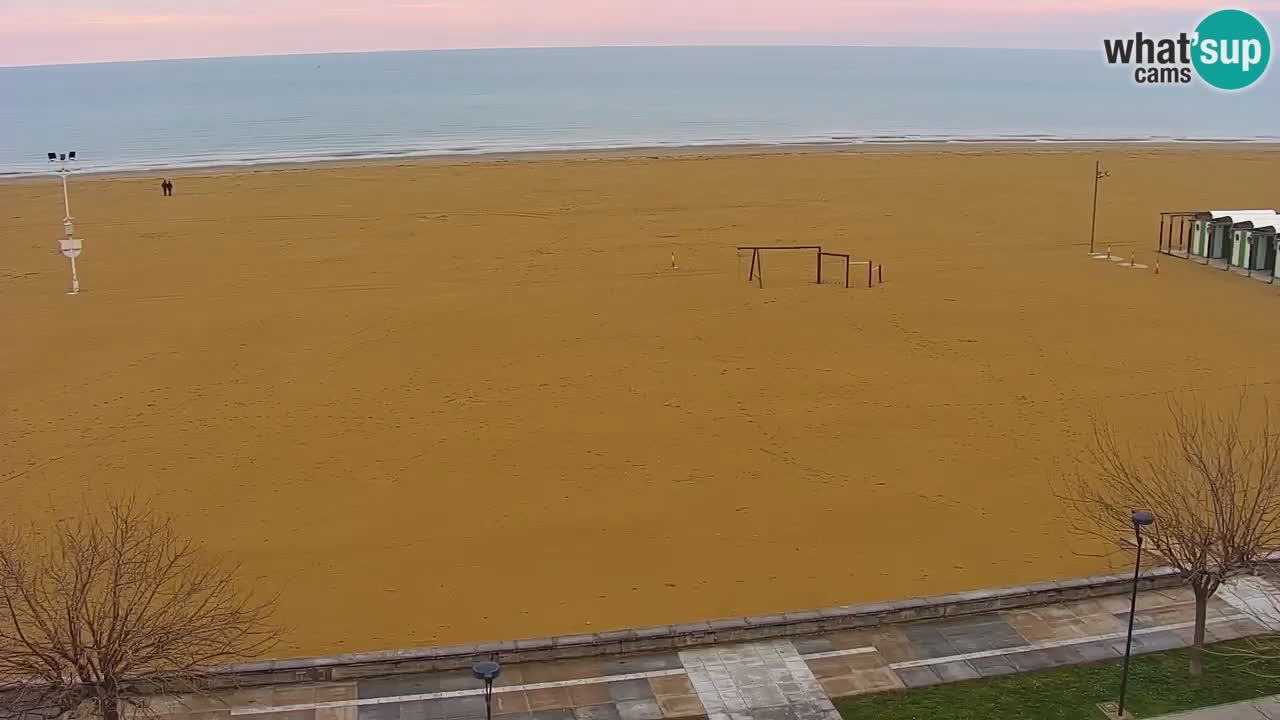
[[775, 679], [1262, 709]]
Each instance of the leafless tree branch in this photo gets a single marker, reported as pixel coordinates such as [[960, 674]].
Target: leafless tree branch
[[113, 600]]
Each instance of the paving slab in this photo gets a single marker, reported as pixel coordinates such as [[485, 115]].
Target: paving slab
[[639, 710], [584, 695], [558, 714], [1031, 661], [1097, 651], [680, 706], [989, 633], [994, 666], [1269, 707], [893, 644], [919, 676], [957, 671], [752, 679], [507, 703], [928, 640], [348, 713], [365, 712], [454, 707], [549, 698], [417, 710], [1252, 596], [606, 711], [1060, 656]]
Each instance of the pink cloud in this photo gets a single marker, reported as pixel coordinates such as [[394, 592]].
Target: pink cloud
[[33, 32]]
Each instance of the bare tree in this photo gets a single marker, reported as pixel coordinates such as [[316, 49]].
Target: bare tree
[[1211, 479], [100, 606]]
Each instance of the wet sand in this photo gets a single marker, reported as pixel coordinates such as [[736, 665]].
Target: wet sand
[[448, 402]]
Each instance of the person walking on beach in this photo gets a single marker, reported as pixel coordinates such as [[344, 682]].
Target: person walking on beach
[[166, 187]]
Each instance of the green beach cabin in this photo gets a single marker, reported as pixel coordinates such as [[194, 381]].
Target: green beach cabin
[[1253, 241], [1260, 247], [1243, 238], [1255, 248]]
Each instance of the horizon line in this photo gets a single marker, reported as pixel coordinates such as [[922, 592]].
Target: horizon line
[[539, 47]]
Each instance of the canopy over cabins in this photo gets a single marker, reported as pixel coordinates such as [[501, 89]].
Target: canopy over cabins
[[1255, 219]]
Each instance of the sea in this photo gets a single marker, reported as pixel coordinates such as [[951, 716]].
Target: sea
[[298, 108]]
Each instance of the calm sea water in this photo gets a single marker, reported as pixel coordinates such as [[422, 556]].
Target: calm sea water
[[315, 107]]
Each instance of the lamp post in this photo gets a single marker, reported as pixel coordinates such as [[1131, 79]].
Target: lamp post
[[63, 171], [69, 245], [1098, 174], [1140, 518], [487, 671]]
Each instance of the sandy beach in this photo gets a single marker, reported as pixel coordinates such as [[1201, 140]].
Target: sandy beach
[[447, 402]]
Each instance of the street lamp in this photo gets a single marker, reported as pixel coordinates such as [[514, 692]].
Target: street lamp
[[1140, 518], [487, 671], [1098, 174], [64, 171], [69, 245]]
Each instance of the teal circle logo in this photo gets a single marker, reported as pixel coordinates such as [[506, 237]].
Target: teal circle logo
[[1232, 49]]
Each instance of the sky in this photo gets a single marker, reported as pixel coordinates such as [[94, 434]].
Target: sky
[[39, 32]]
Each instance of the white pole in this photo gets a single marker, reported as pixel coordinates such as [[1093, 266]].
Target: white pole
[[66, 200], [75, 279]]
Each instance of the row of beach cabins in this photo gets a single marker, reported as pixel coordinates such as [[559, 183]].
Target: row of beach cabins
[[1240, 240]]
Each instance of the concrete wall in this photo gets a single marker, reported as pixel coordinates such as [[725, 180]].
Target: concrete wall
[[670, 637]]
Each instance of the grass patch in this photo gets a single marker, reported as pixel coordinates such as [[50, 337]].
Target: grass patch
[[1158, 684]]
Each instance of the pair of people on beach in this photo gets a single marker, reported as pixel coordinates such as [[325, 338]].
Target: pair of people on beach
[[166, 186]]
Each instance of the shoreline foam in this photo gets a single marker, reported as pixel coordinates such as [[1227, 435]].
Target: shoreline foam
[[836, 144]]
